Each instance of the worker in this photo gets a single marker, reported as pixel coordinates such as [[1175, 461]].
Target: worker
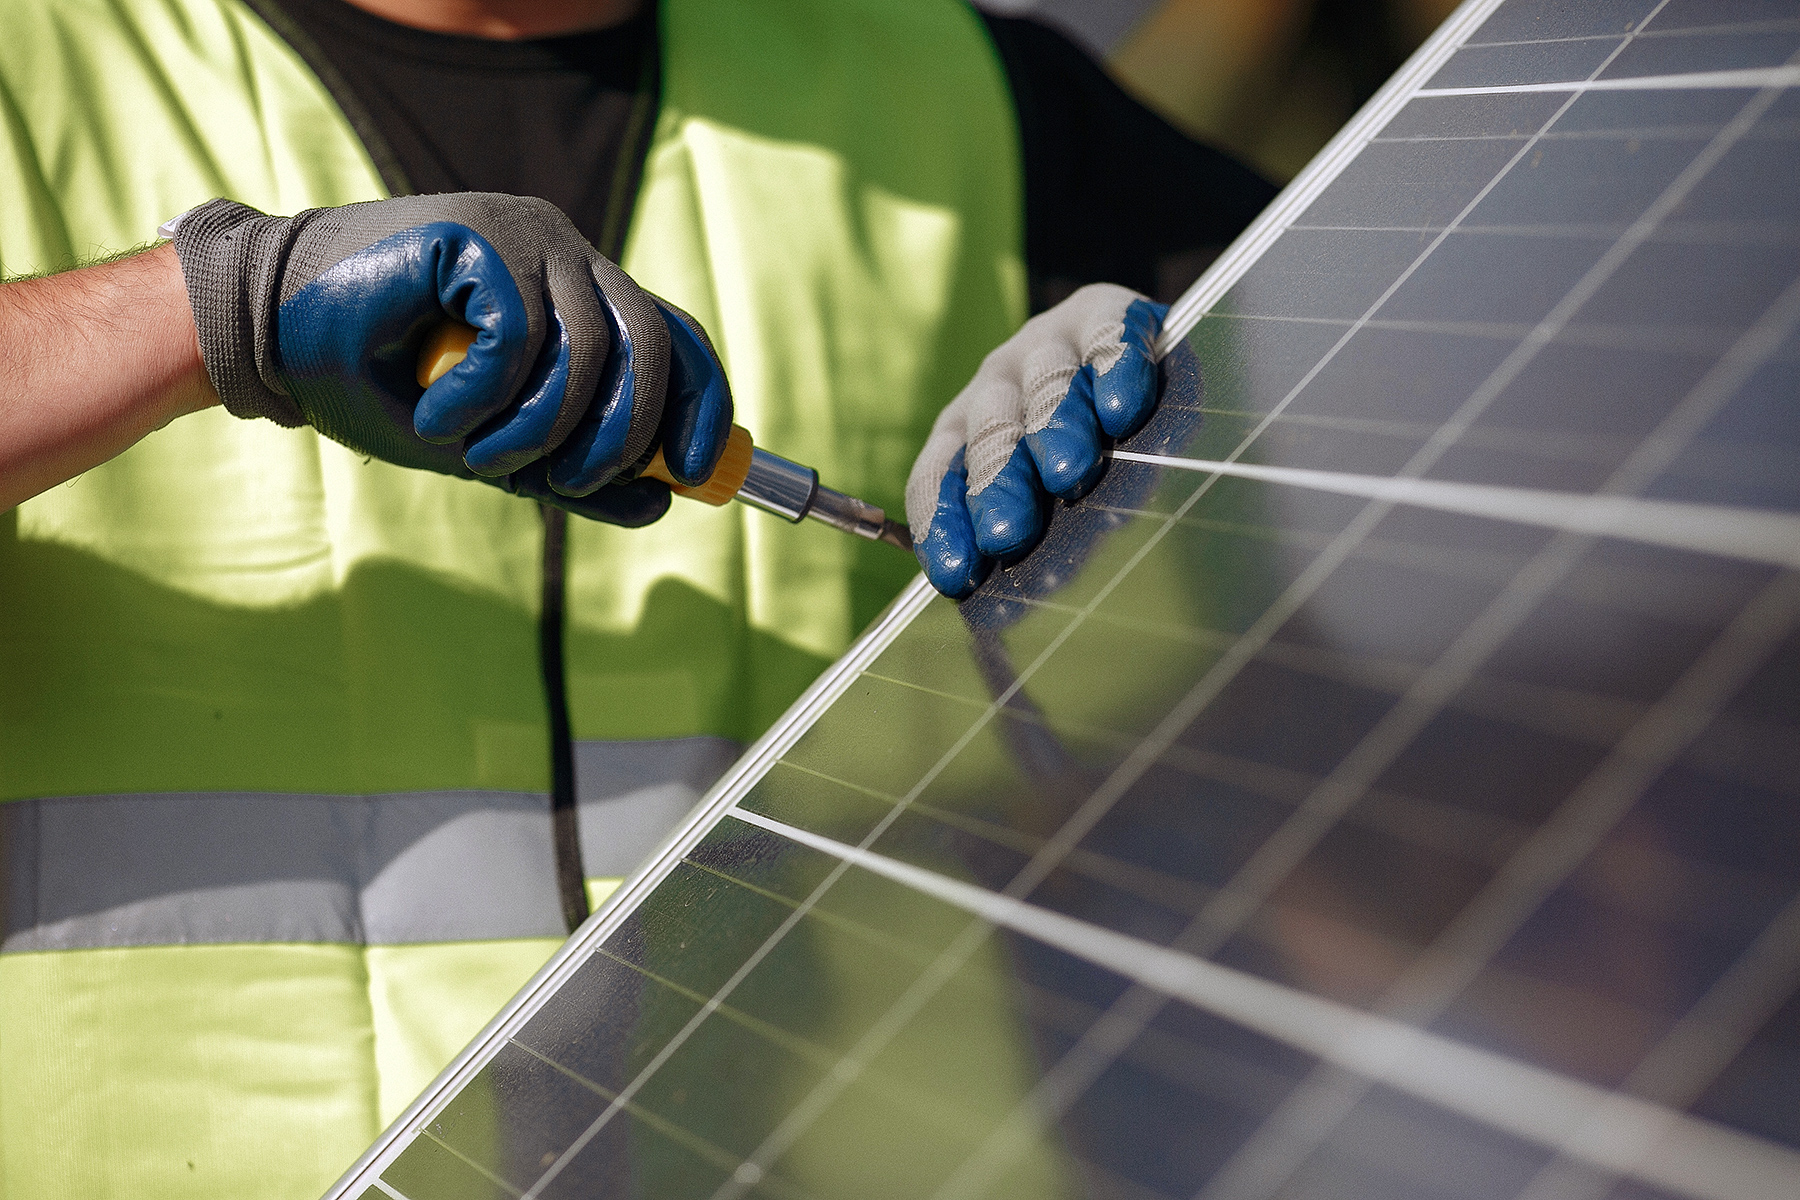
[[322, 720]]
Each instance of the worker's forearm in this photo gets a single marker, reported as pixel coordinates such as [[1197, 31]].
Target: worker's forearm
[[90, 362]]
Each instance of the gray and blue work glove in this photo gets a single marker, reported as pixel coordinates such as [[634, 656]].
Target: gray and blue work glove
[[1031, 425], [574, 376]]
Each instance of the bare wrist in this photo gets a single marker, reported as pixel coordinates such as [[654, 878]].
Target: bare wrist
[[171, 347], [91, 361]]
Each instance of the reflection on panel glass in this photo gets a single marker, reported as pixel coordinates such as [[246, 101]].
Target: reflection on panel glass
[[1255, 837]]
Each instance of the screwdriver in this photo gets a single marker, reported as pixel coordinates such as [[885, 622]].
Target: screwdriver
[[745, 472]]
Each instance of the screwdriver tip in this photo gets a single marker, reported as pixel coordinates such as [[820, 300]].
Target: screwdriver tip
[[896, 534]]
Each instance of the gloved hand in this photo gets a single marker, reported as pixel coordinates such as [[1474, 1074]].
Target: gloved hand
[[575, 372], [1029, 426]]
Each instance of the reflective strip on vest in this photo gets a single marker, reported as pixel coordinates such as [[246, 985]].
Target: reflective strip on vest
[[82, 872], [230, 606], [633, 793]]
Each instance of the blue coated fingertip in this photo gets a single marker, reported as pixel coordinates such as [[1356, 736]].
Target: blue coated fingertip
[[1067, 449], [1126, 394], [350, 339], [947, 551], [595, 451], [472, 285], [697, 414], [1008, 513], [632, 504], [523, 435]]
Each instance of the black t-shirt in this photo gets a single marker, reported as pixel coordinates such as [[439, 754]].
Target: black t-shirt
[[1112, 192], [567, 119]]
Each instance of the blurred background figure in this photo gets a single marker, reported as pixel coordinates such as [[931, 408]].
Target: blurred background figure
[[1268, 80]]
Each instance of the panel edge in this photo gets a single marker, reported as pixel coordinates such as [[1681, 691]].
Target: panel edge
[[719, 799], [1318, 174]]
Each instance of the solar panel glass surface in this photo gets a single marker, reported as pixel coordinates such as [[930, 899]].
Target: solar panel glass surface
[[1386, 783]]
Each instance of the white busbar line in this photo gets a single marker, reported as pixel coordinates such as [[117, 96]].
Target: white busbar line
[[1748, 77], [1619, 1133], [1755, 535]]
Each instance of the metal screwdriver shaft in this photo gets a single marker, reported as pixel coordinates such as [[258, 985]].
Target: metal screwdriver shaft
[[793, 492], [745, 472]]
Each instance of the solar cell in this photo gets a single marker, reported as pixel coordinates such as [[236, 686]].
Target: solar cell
[[1386, 783]]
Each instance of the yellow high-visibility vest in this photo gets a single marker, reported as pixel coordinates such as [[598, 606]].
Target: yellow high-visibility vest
[[273, 743]]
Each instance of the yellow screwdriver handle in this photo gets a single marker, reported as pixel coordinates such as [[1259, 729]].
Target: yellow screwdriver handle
[[449, 343]]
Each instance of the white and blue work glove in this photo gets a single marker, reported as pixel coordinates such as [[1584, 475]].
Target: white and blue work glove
[[575, 374], [1032, 424]]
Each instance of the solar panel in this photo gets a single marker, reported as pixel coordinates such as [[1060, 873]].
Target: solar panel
[[1384, 784]]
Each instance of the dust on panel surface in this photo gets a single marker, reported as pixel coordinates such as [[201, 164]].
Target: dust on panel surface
[[1528, 789]]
